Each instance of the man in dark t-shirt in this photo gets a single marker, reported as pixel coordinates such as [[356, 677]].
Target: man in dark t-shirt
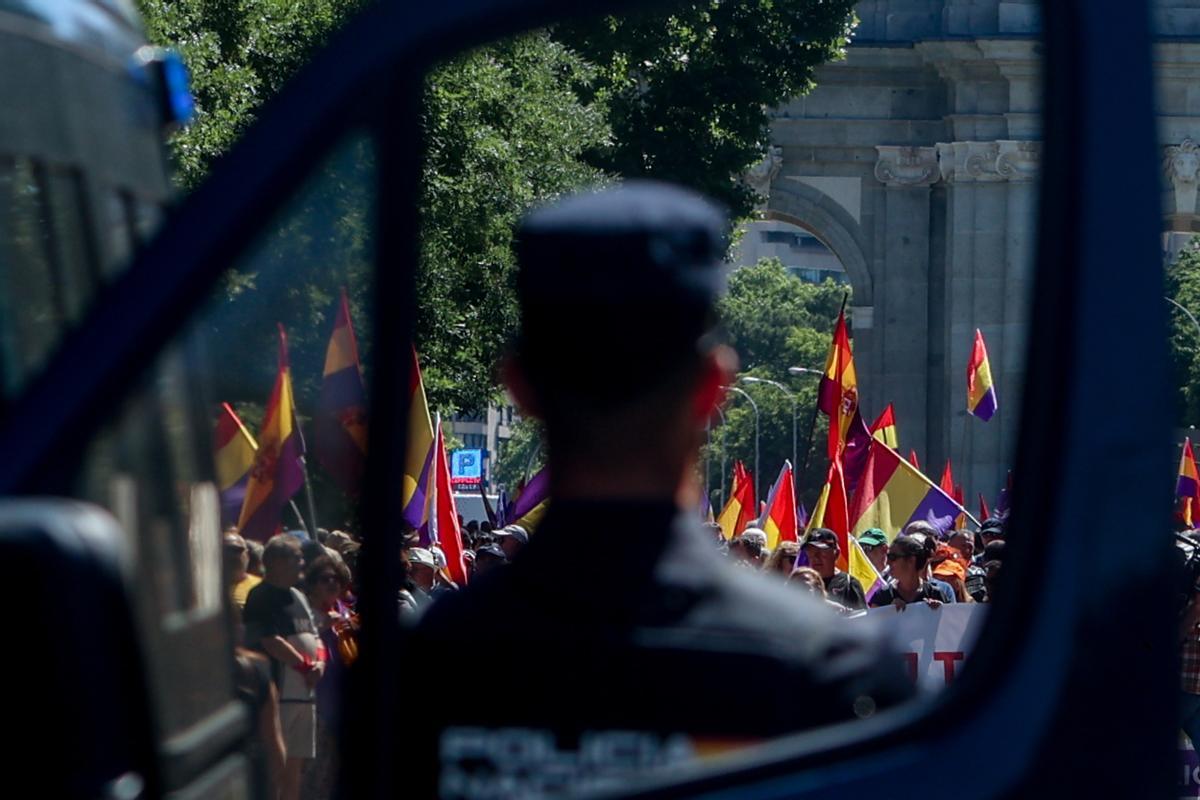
[[279, 623], [615, 631], [822, 548]]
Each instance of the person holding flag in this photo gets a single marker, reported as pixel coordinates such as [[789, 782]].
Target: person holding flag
[[624, 400]]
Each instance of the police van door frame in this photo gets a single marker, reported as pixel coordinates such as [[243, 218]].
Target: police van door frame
[[1042, 667]]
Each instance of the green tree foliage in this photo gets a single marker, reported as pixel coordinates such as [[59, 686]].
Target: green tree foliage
[[775, 321], [1183, 286], [505, 130], [689, 86], [239, 53]]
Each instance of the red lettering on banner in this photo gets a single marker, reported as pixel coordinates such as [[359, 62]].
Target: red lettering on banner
[[948, 659]]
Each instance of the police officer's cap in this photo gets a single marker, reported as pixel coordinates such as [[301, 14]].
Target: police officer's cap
[[632, 271]]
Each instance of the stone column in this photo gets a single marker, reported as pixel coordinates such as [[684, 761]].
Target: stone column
[[901, 289], [987, 283]]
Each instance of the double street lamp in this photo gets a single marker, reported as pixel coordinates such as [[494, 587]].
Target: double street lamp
[[753, 405], [791, 396]]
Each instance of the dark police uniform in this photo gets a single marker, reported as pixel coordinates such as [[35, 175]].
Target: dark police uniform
[[619, 640]]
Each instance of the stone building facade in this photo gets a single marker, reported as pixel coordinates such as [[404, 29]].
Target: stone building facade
[[916, 161]]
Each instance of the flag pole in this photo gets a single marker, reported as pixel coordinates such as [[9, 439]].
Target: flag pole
[[308, 492]]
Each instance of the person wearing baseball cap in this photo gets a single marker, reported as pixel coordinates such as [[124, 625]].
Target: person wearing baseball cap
[[874, 543], [822, 548], [512, 539], [619, 355]]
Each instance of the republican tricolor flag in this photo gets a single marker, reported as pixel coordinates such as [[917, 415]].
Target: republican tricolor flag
[[233, 455], [278, 472], [341, 420], [838, 393], [1187, 486], [894, 493], [981, 393], [418, 461]]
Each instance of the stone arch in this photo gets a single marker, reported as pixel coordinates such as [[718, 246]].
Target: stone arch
[[815, 212]]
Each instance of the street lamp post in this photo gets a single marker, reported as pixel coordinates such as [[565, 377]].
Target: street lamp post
[[791, 396], [812, 422], [1189, 314], [753, 405]]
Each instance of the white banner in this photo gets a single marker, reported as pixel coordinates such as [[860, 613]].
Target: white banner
[[934, 642]]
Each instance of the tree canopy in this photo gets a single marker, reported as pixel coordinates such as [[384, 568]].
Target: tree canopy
[[689, 85], [1183, 286], [775, 321]]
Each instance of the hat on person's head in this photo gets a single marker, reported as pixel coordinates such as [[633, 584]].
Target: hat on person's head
[[298, 533], [234, 541], [950, 568], [514, 531], [822, 539], [643, 259], [468, 555], [872, 537], [945, 552], [923, 527], [421, 556], [991, 527], [492, 550]]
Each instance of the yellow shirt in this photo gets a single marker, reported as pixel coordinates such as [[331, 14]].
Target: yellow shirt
[[243, 587]]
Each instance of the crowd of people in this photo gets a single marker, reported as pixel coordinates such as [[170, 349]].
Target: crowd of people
[[295, 599], [922, 563]]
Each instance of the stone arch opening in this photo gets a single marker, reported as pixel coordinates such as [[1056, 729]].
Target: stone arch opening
[[815, 212]]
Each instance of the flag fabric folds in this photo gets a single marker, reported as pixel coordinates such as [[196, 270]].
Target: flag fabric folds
[[233, 455], [1187, 485], [443, 515], [912, 458], [529, 506], [884, 428], [739, 509], [418, 461], [981, 393], [838, 393], [341, 420], [984, 514], [894, 493], [832, 512], [779, 520], [278, 472]]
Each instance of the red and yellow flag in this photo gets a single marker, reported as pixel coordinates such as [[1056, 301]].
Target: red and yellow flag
[[739, 509], [418, 461], [884, 428], [443, 515], [278, 472], [838, 393], [779, 521]]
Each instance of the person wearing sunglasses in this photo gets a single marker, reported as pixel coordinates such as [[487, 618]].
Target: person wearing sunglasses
[[907, 558]]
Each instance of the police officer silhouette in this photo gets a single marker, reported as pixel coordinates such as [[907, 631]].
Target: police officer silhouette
[[619, 639]]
